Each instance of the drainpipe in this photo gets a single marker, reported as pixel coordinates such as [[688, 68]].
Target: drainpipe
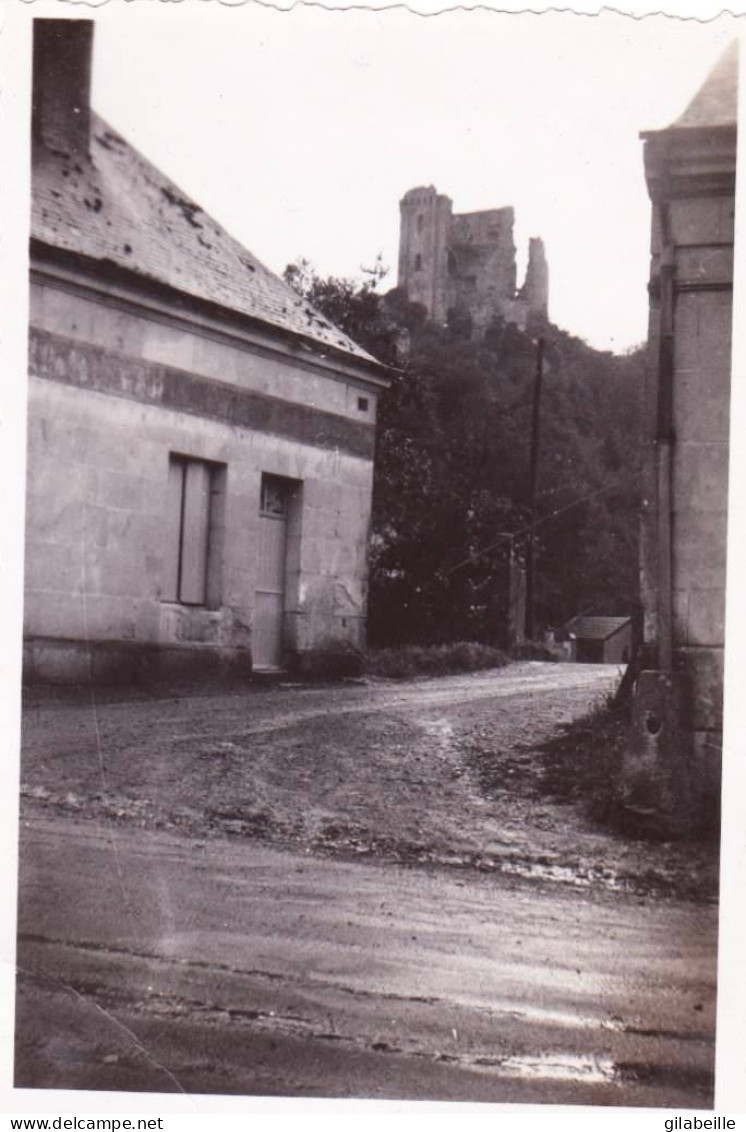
[[664, 444], [656, 777]]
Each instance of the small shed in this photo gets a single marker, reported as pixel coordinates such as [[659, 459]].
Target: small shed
[[601, 640]]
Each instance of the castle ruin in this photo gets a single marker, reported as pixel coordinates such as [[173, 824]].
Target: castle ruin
[[464, 264]]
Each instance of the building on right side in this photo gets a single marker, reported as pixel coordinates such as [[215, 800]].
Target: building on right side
[[690, 167]]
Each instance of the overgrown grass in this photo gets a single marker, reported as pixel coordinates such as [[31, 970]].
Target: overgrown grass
[[338, 661], [432, 660], [583, 764], [532, 650]]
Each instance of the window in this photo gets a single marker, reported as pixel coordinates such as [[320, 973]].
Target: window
[[418, 262], [274, 500], [196, 490], [420, 222], [363, 404]]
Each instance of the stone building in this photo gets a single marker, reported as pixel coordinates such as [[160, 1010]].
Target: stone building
[[690, 169], [465, 264], [200, 452]]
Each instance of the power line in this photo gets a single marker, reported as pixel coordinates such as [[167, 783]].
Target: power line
[[539, 522], [533, 482]]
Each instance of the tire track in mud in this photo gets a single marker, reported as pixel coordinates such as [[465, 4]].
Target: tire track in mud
[[433, 773], [556, 1058]]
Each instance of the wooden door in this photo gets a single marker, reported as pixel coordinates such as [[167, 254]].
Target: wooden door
[[269, 608]]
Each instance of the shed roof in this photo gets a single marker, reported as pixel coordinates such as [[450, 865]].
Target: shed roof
[[596, 628], [117, 208]]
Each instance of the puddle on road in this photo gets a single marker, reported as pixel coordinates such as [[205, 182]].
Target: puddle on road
[[559, 1067], [563, 874], [571, 1067], [559, 1018]]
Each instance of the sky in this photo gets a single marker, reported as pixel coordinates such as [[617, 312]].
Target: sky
[[300, 131]]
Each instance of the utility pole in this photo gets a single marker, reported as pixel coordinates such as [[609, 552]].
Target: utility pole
[[516, 615], [533, 478]]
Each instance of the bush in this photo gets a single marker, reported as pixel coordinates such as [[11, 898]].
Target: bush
[[335, 660], [432, 660], [338, 660], [532, 650]]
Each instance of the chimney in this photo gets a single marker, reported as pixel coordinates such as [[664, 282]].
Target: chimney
[[62, 85]]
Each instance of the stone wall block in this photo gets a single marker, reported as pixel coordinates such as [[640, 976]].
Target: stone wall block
[[655, 785], [116, 617], [702, 411], [121, 491], [704, 672], [707, 757], [700, 477], [699, 551], [54, 567], [51, 614], [50, 519], [695, 266], [706, 617], [703, 337], [702, 221]]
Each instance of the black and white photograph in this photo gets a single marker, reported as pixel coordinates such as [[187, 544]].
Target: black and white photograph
[[377, 417]]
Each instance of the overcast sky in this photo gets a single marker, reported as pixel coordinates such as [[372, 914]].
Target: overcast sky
[[299, 131]]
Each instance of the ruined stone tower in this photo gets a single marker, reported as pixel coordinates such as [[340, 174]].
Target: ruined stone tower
[[423, 249], [535, 290], [464, 264]]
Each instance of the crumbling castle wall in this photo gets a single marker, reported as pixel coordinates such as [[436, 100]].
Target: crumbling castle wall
[[464, 265]]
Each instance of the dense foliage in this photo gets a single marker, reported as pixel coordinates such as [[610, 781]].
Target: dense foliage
[[452, 469]]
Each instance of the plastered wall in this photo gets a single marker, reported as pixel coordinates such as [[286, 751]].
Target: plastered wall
[[97, 496]]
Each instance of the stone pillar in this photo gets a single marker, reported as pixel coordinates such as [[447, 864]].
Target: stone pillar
[[690, 169]]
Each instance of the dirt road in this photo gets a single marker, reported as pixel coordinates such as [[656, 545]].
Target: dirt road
[[310, 891]]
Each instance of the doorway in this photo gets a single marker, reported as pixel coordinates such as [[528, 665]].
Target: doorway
[[269, 608]]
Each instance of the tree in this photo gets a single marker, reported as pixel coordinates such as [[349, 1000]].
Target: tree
[[451, 477]]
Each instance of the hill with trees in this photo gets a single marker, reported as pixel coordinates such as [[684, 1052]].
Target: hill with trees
[[451, 492]]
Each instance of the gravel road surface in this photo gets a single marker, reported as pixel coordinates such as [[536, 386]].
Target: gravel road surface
[[319, 891]]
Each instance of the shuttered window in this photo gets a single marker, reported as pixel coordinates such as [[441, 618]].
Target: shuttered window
[[191, 557]]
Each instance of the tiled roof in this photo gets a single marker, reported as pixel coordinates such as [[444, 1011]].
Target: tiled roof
[[596, 628], [716, 102], [119, 208]]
